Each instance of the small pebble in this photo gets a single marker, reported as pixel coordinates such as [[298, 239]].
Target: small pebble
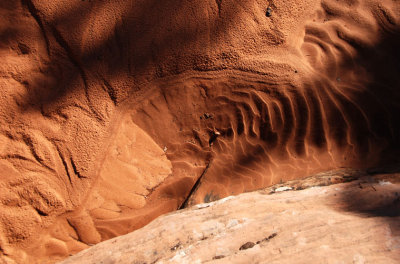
[[269, 12], [207, 116], [382, 183], [283, 188], [247, 246]]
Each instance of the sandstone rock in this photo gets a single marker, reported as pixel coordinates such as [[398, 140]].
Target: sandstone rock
[[356, 222]]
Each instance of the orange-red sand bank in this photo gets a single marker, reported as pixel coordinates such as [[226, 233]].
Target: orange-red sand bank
[[115, 112]]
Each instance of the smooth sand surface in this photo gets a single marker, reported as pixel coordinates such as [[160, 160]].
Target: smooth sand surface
[[115, 112]]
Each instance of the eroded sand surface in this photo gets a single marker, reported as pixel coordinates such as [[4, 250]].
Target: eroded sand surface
[[115, 112]]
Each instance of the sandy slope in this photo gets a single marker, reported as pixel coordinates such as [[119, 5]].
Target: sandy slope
[[114, 112]]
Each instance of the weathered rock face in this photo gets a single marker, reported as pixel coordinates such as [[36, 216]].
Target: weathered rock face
[[355, 222], [115, 112]]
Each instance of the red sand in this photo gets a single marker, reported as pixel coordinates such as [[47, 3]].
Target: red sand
[[109, 109]]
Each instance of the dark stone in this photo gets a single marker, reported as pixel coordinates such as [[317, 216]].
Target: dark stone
[[175, 247], [247, 246], [207, 116], [269, 12]]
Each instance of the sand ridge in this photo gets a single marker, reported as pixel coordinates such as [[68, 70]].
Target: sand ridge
[[108, 108]]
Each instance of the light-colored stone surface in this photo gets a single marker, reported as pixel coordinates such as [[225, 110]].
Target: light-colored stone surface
[[356, 222]]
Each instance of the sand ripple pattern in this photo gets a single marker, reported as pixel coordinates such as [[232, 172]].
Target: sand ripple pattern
[[106, 124]]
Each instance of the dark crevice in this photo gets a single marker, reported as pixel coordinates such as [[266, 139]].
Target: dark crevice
[[110, 91], [77, 173], [194, 188], [63, 43], [219, 2], [15, 156], [64, 164], [29, 143], [35, 14], [75, 61], [40, 212]]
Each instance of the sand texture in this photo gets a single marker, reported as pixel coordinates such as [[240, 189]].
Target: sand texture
[[342, 223], [115, 112]]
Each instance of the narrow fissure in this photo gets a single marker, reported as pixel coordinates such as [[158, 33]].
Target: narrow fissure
[[194, 188]]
